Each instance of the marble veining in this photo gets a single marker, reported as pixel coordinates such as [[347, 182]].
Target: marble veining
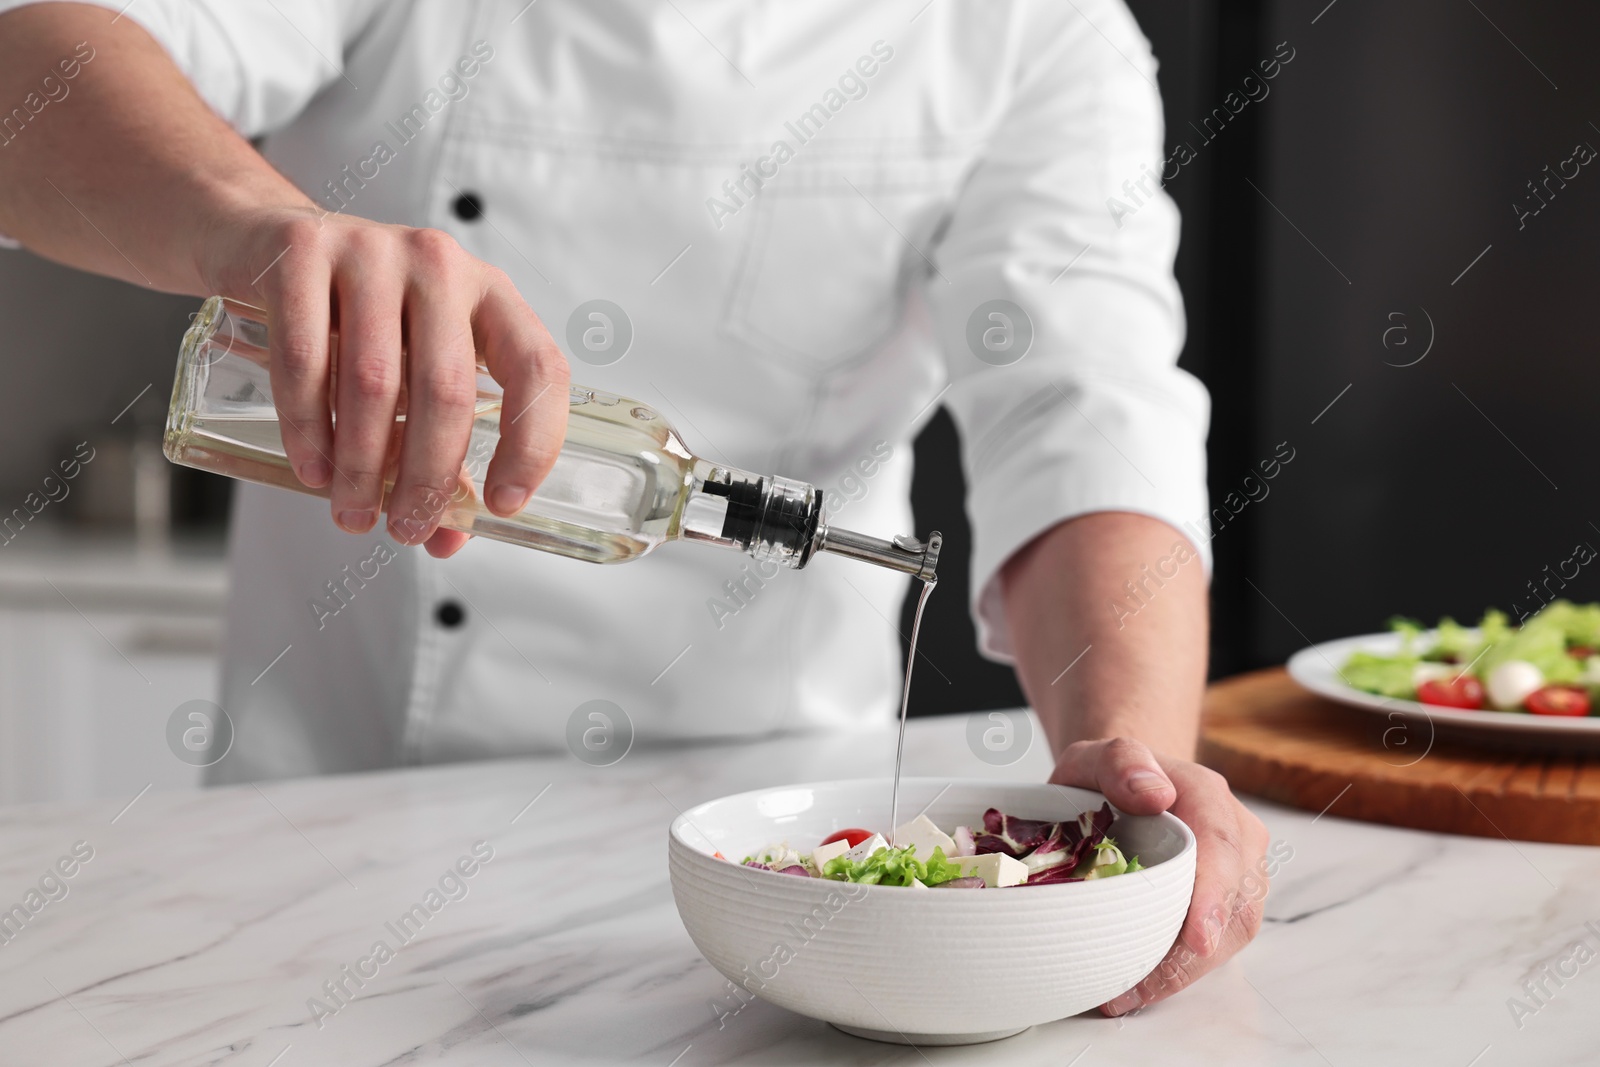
[[208, 924]]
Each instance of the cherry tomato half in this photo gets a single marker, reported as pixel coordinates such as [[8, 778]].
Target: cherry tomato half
[[1580, 651], [1558, 700], [1463, 692], [852, 836]]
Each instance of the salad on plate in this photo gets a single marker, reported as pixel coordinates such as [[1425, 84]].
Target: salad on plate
[[1005, 851], [1550, 665]]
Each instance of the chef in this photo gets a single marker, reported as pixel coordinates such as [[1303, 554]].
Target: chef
[[794, 228]]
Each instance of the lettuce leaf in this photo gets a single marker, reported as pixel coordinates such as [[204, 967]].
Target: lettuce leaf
[[1579, 624], [1409, 630], [1388, 676], [1541, 641], [1455, 643], [1104, 861], [893, 866]]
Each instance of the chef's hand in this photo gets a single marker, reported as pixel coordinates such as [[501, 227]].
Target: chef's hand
[[381, 286], [1230, 877], [181, 202]]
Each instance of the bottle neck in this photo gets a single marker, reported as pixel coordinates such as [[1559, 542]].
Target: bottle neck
[[771, 518], [779, 519]]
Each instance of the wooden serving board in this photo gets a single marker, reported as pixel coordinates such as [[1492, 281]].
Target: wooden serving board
[[1275, 740]]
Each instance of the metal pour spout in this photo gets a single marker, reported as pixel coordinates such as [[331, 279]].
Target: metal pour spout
[[905, 554]]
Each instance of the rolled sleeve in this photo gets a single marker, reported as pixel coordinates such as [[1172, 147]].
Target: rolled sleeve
[[1094, 415], [257, 63]]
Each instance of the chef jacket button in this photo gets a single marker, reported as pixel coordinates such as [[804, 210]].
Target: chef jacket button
[[449, 614], [468, 207]]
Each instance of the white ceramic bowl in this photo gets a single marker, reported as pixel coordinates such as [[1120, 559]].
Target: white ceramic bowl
[[940, 966]]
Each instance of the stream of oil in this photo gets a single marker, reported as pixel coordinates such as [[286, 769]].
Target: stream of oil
[[905, 700]]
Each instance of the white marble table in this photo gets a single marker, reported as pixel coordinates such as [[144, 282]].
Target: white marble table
[[205, 921]]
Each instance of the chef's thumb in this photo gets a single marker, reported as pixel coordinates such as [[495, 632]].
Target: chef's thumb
[[1126, 771]]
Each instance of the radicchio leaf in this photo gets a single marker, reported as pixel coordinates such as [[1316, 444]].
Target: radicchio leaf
[[968, 882], [1083, 834], [1012, 836], [793, 868], [983, 844], [1053, 875], [1094, 826], [1052, 851]]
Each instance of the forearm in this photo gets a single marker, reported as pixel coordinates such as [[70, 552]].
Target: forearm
[[1143, 673], [126, 171]]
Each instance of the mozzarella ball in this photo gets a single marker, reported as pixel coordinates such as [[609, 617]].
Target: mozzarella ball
[[1510, 683]]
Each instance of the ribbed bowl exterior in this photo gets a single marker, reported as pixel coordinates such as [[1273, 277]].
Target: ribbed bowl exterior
[[949, 961]]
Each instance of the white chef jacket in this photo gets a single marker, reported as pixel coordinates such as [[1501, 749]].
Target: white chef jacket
[[793, 313]]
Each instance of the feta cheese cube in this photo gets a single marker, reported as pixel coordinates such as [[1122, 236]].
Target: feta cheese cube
[[925, 835], [866, 848], [917, 884], [995, 868], [823, 853], [779, 856]]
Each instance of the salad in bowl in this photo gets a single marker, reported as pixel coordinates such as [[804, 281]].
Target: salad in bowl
[[1004, 851]]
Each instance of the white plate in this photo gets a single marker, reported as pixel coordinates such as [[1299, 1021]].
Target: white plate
[[1317, 668]]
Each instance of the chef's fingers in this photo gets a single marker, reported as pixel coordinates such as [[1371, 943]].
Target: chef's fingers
[[445, 543], [367, 387], [1183, 966], [1230, 857], [295, 290], [1230, 885], [523, 358], [441, 387], [1126, 771]]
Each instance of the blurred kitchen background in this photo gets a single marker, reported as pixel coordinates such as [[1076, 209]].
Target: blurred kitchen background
[[1367, 210]]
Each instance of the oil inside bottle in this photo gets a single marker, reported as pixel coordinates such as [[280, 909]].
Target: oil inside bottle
[[616, 490]]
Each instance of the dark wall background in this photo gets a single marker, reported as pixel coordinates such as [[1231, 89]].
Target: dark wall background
[[1345, 204], [1400, 147]]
